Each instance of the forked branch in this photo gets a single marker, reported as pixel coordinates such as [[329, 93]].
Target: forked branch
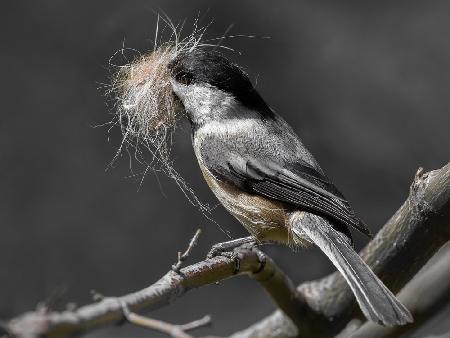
[[319, 308], [110, 310], [400, 249]]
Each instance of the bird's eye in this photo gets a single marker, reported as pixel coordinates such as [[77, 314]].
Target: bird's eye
[[184, 78]]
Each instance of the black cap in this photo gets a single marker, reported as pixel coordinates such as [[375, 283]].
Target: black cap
[[210, 67]]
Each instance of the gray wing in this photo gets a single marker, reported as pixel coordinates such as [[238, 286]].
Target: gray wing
[[296, 183]]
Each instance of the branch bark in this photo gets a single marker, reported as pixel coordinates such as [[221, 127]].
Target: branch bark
[[175, 331], [405, 243], [425, 296], [319, 308], [171, 286]]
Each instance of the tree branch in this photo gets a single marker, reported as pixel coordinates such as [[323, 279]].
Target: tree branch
[[171, 286], [399, 250], [417, 230], [425, 296], [175, 331]]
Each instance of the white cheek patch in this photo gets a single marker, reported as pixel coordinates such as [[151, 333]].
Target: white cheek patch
[[179, 89], [202, 101]]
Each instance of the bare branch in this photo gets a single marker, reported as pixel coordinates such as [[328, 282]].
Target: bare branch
[[405, 243], [168, 288], [175, 331], [205, 321], [425, 296], [320, 308]]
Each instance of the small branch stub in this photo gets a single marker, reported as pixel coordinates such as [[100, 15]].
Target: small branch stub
[[182, 257]]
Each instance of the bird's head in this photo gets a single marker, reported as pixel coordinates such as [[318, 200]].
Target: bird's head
[[154, 90], [212, 87]]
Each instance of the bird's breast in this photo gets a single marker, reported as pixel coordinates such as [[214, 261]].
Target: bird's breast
[[265, 219]]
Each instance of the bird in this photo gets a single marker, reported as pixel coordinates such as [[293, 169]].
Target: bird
[[261, 172]]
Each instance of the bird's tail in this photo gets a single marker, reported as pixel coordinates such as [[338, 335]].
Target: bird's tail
[[375, 300]]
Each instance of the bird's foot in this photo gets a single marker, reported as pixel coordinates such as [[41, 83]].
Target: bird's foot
[[228, 248], [235, 251]]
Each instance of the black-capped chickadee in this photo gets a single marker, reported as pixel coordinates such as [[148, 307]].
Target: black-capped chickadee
[[263, 175]]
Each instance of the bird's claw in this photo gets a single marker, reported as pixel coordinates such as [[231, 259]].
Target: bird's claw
[[220, 248], [234, 256], [233, 253], [216, 250]]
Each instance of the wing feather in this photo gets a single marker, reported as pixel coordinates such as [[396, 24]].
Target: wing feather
[[299, 185], [294, 180]]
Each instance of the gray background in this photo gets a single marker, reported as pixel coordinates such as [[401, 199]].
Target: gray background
[[366, 85]]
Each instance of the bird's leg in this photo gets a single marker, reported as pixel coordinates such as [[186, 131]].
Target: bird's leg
[[235, 250], [230, 245]]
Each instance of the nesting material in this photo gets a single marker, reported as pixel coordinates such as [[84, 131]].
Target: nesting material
[[146, 109], [146, 91], [146, 105]]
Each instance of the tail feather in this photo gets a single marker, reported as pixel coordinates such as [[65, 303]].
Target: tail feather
[[375, 300]]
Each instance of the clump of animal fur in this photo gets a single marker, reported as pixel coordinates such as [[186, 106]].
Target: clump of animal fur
[[146, 107]]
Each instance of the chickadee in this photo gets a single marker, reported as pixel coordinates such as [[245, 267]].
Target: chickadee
[[264, 176]]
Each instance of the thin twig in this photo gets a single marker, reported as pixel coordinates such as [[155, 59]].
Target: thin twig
[[205, 321], [182, 257], [175, 331]]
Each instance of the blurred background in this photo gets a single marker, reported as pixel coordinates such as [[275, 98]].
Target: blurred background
[[366, 85]]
